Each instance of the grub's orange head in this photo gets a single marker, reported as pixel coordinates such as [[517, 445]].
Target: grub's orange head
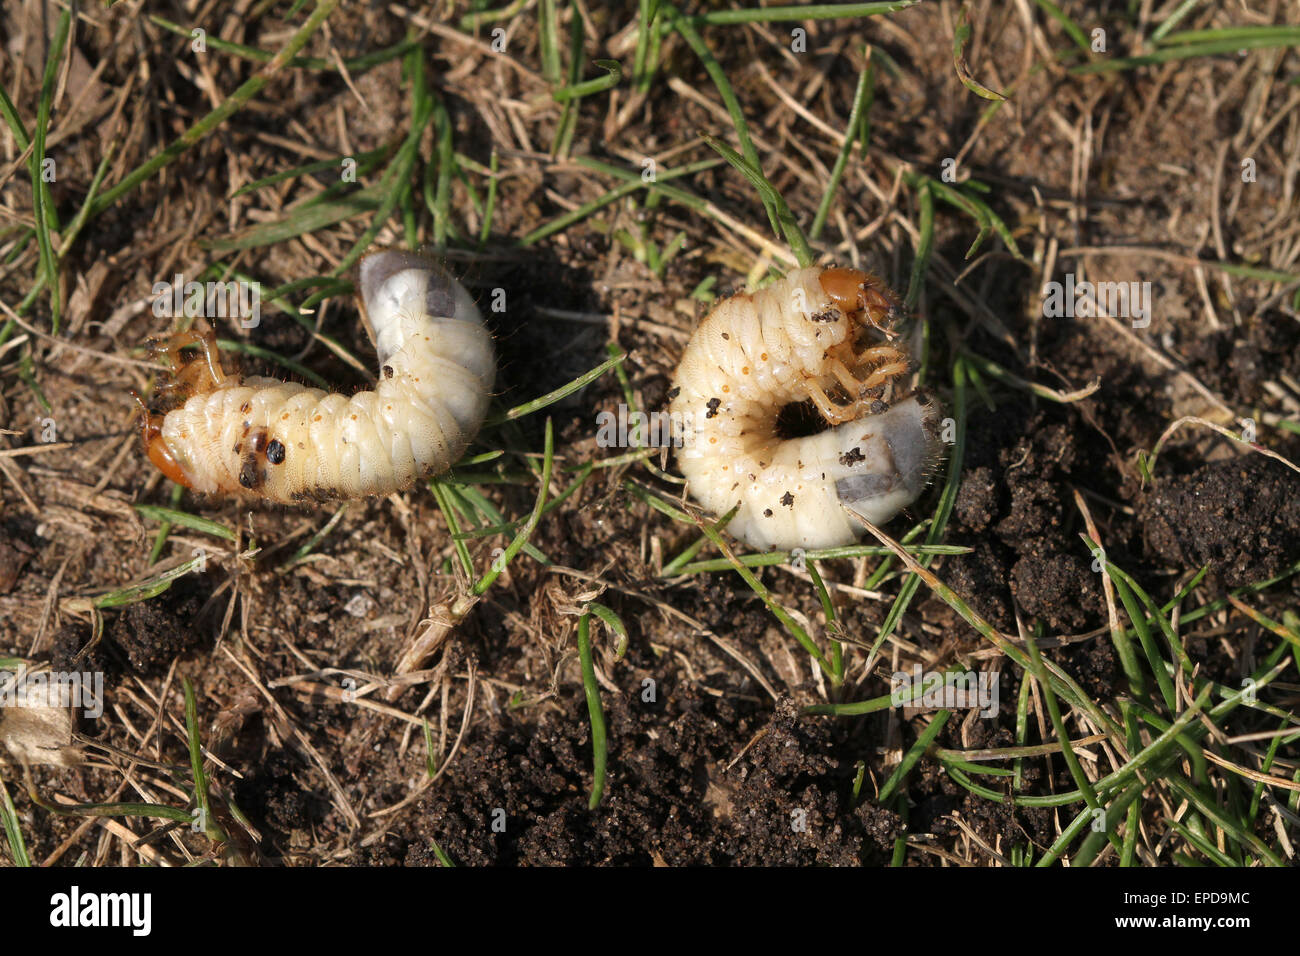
[[852, 290], [157, 449]]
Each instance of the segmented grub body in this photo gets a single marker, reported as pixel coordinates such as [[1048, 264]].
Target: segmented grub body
[[288, 442], [815, 334]]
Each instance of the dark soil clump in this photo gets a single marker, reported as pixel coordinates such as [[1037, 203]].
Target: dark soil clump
[[1241, 516]]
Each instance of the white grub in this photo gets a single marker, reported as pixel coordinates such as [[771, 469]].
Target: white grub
[[287, 442], [814, 334]]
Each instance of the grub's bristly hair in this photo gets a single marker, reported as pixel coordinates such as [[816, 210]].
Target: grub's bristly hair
[[815, 334], [286, 442]]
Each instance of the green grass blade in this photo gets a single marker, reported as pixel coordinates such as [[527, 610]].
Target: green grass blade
[[913, 754], [47, 220], [857, 123], [186, 520], [13, 832], [228, 107], [594, 710]]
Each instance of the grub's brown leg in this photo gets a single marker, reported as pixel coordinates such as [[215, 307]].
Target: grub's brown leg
[[851, 383], [859, 388], [834, 414], [884, 374], [191, 375], [878, 353]]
